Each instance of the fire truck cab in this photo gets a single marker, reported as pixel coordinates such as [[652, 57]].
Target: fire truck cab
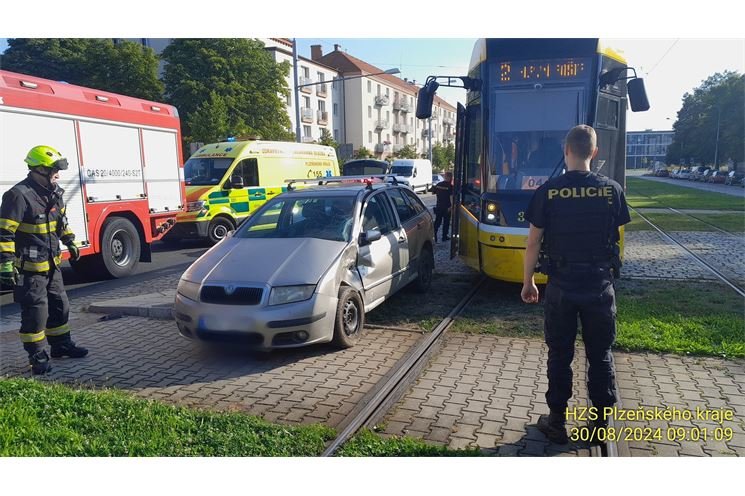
[[124, 184]]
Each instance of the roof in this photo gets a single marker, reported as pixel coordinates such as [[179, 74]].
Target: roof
[[349, 64]]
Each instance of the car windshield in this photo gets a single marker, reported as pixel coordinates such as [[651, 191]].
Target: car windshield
[[323, 217], [205, 171], [402, 170]]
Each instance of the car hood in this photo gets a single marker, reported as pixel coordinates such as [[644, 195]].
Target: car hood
[[277, 262]]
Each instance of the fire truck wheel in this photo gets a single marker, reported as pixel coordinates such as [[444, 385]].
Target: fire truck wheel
[[219, 228], [120, 247]]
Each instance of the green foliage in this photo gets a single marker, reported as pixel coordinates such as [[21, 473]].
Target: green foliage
[[327, 139], [243, 82], [126, 67], [367, 443], [38, 419], [696, 124], [442, 156], [363, 153], [408, 151]]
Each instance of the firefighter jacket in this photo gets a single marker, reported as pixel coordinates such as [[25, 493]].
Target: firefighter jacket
[[32, 224]]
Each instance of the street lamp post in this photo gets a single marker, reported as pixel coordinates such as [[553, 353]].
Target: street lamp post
[[344, 104], [716, 143]]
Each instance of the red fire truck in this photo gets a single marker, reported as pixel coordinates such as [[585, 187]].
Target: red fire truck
[[125, 183]]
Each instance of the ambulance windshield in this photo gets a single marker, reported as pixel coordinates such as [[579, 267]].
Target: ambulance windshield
[[205, 171]]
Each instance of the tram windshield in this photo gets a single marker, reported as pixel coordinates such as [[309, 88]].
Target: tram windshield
[[527, 147]]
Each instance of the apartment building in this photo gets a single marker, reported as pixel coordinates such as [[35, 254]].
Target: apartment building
[[378, 110]]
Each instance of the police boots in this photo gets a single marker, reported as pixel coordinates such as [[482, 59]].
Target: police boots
[[553, 426], [66, 347]]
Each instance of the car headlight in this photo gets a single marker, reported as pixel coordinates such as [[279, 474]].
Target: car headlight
[[195, 206], [291, 294], [188, 289]]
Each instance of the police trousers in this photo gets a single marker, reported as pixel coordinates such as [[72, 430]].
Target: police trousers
[[442, 216], [45, 308], [594, 302]]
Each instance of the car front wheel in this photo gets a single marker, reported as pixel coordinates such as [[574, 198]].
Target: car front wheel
[[350, 318]]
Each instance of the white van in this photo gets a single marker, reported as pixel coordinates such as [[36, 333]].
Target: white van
[[415, 173]]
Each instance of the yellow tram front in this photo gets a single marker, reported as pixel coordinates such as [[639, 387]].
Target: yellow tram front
[[523, 97]]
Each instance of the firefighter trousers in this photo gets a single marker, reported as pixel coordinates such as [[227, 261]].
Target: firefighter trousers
[[594, 302], [442, 217], [45, 309]]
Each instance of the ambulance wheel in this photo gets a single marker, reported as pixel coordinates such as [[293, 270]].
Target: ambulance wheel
[[219, 228], [350, 318], [120, 247]]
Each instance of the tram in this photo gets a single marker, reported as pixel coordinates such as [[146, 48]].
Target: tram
[[523, 96]]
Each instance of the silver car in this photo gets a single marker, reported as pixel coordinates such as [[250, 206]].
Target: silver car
[[307, 266]]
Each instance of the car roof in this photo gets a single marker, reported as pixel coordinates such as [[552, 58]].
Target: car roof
[[339, 189]]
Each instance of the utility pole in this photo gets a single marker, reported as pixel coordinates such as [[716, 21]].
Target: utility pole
[[297, 91], [430, 137], [716, 145]]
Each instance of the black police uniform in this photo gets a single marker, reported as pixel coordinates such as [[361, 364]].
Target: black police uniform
[[580, 213], [32, 224], [444, 192]]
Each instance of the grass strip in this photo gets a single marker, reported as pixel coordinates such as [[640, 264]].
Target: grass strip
[[38, 419], [646, 193], [367, 443], [733, 223]]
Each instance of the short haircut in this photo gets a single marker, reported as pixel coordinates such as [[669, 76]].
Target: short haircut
[[449, 174], [582, 141]]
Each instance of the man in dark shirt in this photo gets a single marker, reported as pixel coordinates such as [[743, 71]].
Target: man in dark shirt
[[575, 218], [444, 192]]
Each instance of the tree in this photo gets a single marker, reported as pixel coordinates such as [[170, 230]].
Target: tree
[[407, 151], [126, 67], [720, 97], [241, 81], [363, 153], [442, 156]]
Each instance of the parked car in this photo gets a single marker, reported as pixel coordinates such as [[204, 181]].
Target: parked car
[[734, 178], [706, 175], [307, 266], [661, 172], [697, 172], [684, 173], [436, 179], [717, 177]]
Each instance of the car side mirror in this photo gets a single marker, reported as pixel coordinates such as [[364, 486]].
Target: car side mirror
[[368, 237], [236, 182], [414, 174]]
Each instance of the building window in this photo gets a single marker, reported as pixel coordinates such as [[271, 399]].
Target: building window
[[306, 72], [289, 99], [336, 135], [369, 86], [369, 136], [306, 131], [321, 77], [378, 90], [336, 109], [306, 102], [387, 92], [322, 105], [369, 112]]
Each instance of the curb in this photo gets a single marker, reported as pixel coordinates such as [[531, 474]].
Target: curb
[[161, 311]]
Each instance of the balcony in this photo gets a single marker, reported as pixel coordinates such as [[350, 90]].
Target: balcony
[[304, 80], [425, 133], [322, 90], [381, 100], [381, 124], [323, 117], [397, 127], [306, 114], [448, 121], [449, 136], [382, 148], [308, 139], [398, 148]]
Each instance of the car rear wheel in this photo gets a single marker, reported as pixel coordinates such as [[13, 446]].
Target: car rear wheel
[[425, 270], [350, 318]]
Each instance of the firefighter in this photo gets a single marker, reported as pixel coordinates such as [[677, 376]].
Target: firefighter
[[574, 221], [32, 224]]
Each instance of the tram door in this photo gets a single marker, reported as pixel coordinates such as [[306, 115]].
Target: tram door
[[458, 179]]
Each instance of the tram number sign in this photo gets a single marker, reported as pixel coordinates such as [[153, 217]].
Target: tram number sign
[[533, 182]]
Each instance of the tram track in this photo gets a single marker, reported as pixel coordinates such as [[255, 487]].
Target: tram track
[[667, 236]]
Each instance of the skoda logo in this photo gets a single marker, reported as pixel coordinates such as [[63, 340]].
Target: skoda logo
[[229, 290]]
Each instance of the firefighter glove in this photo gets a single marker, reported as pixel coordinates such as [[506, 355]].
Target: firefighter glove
[[74, 252], [8, 274]]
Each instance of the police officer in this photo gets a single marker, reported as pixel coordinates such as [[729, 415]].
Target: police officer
[[444, 192], [574, 221], [32, 224]]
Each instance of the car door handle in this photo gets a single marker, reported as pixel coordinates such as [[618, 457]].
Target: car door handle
[[401, 240]]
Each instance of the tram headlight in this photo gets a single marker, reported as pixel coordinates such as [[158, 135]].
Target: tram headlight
[[492, 213]]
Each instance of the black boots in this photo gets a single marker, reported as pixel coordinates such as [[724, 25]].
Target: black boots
[[67, 348], [553, 426], [39, 363]]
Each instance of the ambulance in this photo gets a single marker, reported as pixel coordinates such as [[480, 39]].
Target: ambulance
[[124, 184], [227, 181]]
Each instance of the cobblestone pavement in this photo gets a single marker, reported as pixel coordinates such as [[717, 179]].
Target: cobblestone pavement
[[682, 384], [485, 392], [146, 357], [724, 252], [647, 255], [715, 188]]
